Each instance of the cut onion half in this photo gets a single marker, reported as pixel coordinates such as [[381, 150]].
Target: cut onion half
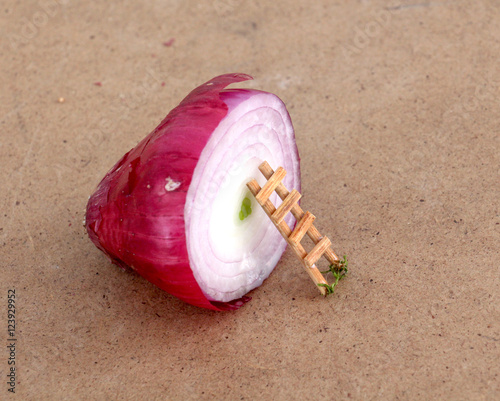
[[176, 208]]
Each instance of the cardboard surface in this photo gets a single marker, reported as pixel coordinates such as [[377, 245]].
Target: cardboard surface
[[395, 106]]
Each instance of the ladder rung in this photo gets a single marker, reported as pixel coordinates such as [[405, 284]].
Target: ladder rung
[[331, 256], [270, 185], [314, 234], [302, 226], [266, 170], [318, 250], [287, 205], [253, 186]]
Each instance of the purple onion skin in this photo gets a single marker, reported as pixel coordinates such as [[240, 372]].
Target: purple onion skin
[[135, 221]]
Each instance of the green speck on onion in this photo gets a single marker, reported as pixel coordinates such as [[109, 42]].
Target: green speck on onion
[[246, 209]]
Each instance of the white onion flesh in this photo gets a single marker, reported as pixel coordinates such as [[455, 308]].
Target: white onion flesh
[[230, 257]]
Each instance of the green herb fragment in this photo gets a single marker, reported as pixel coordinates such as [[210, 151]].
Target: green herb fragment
[[339, 270], [246, 209]]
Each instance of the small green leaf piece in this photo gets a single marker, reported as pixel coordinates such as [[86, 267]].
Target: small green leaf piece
[[246, 209], [339, 271]]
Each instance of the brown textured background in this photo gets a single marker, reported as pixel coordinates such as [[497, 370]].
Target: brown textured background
[[396, 110]]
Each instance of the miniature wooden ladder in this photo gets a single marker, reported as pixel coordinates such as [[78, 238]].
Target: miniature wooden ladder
[[304, 222]]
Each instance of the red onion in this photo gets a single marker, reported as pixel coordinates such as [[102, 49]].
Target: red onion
[[176, 208]]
